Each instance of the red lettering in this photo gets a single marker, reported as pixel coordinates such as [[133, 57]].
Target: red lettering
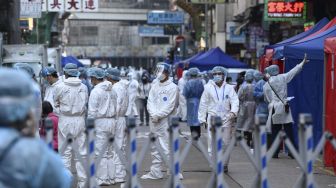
[[280, 7], [289, 7], [298, 7], [272, 6]]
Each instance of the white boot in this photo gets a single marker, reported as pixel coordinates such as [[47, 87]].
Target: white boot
[[150, 175]]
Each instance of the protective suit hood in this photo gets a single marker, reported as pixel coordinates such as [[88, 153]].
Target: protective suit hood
[[72, 81], [105, 85]]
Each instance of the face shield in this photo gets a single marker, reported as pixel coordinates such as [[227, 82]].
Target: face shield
[[159, 72]]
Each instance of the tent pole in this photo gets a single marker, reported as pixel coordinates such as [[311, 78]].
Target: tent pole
[[324, 97]]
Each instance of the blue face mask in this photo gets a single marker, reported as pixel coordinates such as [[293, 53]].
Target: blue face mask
[[217, 78]]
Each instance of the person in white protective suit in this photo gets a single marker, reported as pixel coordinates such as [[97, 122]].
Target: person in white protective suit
[[182, 108], [120, 88], [38, 97], [102, 107], [219, 99], [71, 98], [279, 112], [162, 102], [50, 75], [247, 107], [132, 94], [25, 162]]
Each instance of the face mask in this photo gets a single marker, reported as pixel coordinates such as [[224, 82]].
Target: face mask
[[46, 83], [217, 78], [161, 77]]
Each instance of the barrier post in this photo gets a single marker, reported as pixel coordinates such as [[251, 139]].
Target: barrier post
[[306, 130], [133, 165], [92, 168], [219, 152], [260, 149], [175, 153], [49, 129]]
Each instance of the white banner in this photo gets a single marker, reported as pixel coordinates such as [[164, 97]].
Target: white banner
[[44, 5], [73, 5], [90, 5], [55, 5], [30, 9]]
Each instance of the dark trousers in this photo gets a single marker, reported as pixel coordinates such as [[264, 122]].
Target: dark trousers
[[143, 111], [248, 138], [197, 130], [276, 128]]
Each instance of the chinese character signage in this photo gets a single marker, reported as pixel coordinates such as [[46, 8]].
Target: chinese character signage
[[55, 5], [73, 5], [165, 17], [70, 5], [90, 5], [30, 9], [278, 10]]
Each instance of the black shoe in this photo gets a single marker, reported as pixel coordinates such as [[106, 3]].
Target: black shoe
[[141, 124], [290, 155], [226, 169]]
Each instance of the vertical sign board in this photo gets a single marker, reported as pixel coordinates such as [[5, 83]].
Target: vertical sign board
[[165, 17], [279, 10], [44, 5], [30, 9]]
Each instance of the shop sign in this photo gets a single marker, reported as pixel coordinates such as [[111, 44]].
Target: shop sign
[[283, 11]]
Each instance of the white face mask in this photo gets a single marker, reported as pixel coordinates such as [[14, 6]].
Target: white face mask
[[161, 77], [217, 78]]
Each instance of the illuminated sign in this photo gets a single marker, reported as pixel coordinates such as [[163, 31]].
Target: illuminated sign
[[308, 25], [284, 11]]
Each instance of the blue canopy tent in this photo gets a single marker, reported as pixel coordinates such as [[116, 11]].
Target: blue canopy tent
[[181, 63], [71, 59], [307, 86], [279, 47], [215, 57]]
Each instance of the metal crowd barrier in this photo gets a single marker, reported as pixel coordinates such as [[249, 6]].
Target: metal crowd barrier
[[260, 158]]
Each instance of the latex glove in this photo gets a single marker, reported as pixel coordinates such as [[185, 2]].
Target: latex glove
[[305, 59], [155, 119], [230, 116]]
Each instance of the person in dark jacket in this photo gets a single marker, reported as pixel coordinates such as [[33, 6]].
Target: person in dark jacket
[[192, 92]]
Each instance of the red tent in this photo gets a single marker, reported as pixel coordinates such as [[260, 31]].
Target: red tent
[[330, 99]]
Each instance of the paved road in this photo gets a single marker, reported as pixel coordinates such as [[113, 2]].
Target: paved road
[[282, 172]]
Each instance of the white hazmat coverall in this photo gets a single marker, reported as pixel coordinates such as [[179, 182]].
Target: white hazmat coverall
[[102, 107], [182, 108], [49, 95], [132, 94], [162, 102], [120, 88], [216, 103], [71, 98]]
